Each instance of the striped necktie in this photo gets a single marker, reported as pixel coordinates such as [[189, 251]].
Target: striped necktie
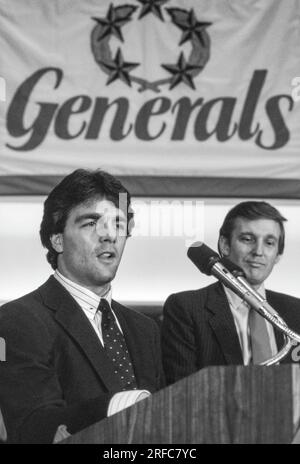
[[115, 347], [259, 337]]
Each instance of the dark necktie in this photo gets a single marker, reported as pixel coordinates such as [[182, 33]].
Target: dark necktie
[[260, 342], [115, 347]]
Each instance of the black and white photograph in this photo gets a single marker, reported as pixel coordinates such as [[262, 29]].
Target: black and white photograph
[[149, 224]]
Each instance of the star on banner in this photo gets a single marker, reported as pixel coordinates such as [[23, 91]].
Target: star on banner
[[152, 6], [119, 69], [116, 18], [181, 72], [188, 23]]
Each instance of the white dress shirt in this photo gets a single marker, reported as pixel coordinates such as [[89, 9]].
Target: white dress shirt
[[240, 311], [88, 301]]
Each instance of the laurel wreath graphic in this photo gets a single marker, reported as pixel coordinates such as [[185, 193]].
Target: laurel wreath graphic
[[183, 71]]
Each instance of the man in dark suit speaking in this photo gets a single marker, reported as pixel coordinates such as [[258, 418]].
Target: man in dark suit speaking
[[73, 354], [213, 326]]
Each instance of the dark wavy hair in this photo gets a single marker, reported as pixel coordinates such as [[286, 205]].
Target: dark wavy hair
[[79, 187], [253, 210]]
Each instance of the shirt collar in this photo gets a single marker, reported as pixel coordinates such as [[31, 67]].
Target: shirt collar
[[236, 301], [86, 299]]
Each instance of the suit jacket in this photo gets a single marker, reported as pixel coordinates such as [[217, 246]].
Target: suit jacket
[[56, 370], [198, 330]]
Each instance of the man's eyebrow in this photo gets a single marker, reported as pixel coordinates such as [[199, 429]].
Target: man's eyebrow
[[272, 236], [96, 216], [83, 217], [253, 234]]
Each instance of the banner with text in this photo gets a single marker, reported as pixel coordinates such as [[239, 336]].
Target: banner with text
[[174, 97]]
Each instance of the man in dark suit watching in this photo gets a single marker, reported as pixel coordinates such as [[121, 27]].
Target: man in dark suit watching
[[213, 326], [73, 354]]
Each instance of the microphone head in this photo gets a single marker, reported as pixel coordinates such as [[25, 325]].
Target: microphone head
[[203, 257], [233, 268]]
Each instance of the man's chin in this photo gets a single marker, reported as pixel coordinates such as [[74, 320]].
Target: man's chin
[[106, 277], [255, 281]]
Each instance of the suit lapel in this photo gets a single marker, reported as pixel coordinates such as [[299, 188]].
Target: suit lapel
[[222, 323], [71, 317]]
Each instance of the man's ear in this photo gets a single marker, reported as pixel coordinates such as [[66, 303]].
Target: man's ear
[[224, 246], [57, 242]]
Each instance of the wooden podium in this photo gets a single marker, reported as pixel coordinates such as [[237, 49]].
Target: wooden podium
[[233, 404]]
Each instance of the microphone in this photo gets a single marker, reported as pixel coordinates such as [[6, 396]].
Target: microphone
[[209, 263], [231, 275], [203, 257], [241, 277]]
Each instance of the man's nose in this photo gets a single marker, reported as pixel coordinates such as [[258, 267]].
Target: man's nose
[[106, 231], [258, 248]]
